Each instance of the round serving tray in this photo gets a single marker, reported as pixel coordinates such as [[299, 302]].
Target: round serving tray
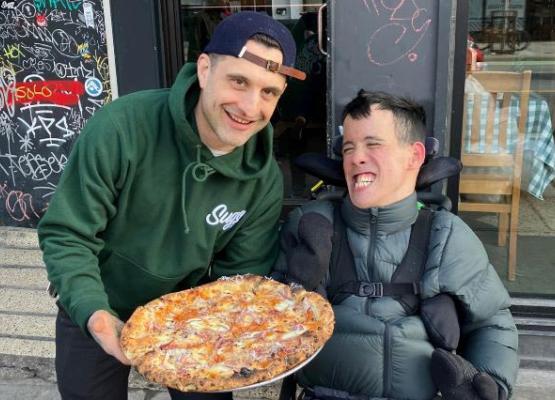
[[275, 378]]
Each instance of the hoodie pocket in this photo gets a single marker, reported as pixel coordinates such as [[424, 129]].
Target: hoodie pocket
[[130, 285]]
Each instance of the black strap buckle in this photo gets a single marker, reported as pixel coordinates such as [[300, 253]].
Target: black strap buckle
[[416, 288], [370, 289]]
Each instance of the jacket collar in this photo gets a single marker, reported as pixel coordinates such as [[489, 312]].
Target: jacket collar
[[389, 219]]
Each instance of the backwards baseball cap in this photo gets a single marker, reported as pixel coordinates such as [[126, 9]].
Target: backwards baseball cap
[[231, 35]]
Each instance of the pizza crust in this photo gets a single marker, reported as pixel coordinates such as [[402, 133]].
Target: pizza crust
[[228, 334]]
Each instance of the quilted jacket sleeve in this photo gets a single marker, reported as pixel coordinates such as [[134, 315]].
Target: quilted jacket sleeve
[[489, 338]]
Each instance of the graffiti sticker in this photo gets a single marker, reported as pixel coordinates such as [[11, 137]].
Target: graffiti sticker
[[93, 87]]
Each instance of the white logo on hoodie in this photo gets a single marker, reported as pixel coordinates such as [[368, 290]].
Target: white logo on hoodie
[[220, 215]]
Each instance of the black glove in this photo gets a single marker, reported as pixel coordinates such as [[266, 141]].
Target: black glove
[[457, 379], [308, 258]]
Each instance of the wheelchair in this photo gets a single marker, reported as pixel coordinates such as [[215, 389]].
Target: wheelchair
[[330, 172]]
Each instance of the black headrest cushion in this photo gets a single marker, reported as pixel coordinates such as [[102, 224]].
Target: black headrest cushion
[[331, 171]]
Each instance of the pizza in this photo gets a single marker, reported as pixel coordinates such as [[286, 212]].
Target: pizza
[[228, 334]]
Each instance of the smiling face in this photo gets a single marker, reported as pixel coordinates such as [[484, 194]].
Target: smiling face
[[237, 97], [379, 169]]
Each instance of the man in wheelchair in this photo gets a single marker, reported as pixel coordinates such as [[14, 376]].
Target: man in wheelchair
[[419, 308]]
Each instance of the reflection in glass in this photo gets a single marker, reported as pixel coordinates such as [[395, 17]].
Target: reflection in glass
[[510, 37]]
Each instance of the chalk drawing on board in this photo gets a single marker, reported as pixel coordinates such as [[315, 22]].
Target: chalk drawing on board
[[405, 24], [50, 50]]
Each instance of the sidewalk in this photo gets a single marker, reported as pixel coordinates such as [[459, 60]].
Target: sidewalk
[[27, 317], [28, 377], [38, 383]]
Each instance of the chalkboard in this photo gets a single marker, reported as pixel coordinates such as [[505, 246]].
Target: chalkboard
[[53, 77], [387, 45]]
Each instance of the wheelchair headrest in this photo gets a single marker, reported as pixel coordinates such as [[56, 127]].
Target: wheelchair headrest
[[437, 169], [330, 170]]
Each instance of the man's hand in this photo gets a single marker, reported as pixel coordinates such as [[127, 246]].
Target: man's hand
[[106, 329], [457, 379]]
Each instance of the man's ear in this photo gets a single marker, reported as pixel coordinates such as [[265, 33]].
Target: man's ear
[[418, 155], [203, 69]]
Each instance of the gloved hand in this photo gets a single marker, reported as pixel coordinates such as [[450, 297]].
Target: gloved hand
[[457, 379], [308, 257]]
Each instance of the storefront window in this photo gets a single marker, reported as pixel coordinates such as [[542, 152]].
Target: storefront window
[[507, 188], [300, 118]]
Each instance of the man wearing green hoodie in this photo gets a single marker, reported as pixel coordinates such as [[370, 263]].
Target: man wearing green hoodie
[[165, 189]]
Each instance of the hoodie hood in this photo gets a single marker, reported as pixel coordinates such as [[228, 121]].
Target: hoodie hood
[[250, 161]]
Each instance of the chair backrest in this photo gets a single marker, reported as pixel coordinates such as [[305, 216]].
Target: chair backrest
[[504, 19], [494, 123]]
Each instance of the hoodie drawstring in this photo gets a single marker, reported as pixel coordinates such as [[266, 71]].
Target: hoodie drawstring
[[200, 172]]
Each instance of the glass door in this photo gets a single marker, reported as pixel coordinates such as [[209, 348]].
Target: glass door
[[300, 118], [509, 40]]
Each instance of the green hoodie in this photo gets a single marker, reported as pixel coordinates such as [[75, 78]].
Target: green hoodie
[[143, 208]]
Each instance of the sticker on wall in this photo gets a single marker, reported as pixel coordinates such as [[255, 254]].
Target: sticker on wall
[[89, 14], [93, 87], [41, 20]]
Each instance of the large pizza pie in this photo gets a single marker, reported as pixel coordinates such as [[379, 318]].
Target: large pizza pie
[[227, 334]]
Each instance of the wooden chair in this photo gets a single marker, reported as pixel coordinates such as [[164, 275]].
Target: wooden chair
[[495, 154]]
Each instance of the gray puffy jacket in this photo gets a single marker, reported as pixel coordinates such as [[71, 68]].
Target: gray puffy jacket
[[377, 349]]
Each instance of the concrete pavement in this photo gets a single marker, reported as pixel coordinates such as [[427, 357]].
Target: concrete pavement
[[27, 317], [28, 384], [29, 377]]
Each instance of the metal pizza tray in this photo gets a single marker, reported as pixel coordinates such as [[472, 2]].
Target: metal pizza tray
[[275, 378]]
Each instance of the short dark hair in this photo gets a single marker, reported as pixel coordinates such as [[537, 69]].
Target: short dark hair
[[266, 40], [261, 38], [409, 116]]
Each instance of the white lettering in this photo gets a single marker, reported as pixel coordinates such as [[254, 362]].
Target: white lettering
[[8, 4], [220, 215]]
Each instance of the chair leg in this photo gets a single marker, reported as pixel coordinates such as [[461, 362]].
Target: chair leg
[[513, 232], [502, 227]]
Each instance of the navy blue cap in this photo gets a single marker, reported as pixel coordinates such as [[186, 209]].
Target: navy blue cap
[[233, 32]]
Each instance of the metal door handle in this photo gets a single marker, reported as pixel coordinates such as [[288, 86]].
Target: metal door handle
[[321, 29]]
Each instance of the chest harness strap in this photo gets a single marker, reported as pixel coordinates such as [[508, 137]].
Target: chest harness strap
[[405, 282]]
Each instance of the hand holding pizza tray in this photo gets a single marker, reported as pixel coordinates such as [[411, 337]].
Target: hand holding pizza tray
[[235, 333]]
